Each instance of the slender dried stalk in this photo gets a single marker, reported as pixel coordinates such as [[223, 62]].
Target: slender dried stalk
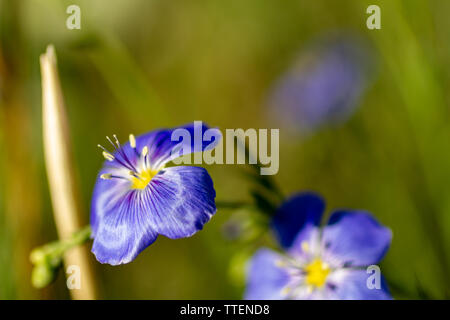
[[60, 172]]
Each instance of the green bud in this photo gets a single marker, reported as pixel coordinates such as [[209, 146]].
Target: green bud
[[42, 275], [48, 258], [37, 256]]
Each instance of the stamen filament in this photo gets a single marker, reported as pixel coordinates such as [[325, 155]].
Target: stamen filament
[[102, 147], [117, 141], [108, 176], [134, 174], [144, 154], [145, 151], [119, 151], [110, 141]]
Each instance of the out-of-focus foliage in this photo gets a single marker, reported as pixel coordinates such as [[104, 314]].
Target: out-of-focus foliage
[[140, 64]]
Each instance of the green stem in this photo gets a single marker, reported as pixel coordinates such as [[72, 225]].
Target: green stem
[[78, 238], [47, 259]]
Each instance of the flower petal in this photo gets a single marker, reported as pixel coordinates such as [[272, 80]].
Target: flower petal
[[177, 203], [107, 193], [351, 284], [324, 85], [163, 149], [120, 228], [306, 245], [354, 238], [180, 200], [296, 216], [265, 280]]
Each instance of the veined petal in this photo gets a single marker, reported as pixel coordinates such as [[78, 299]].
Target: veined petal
[[351, 284], [120, 228], [179, 200], [265, 279], [297, 216], [107, 194], [354, 238]]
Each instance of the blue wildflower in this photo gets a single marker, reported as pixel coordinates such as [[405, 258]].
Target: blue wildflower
[[319, 263], [323, 86], [136, 198]]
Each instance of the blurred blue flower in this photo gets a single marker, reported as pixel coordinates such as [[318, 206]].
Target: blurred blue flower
[[324, 85], [325, 263], [136, 198]]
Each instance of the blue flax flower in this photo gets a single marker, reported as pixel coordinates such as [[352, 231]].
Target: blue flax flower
[[319, 263], [324, 85], [136, 198]]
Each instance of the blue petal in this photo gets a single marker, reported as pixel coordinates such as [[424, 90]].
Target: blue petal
[[177, 203], [265, 280], [180, 200], [121, 230], [298, 213], [355, 238], [163, 149], [107, 194], [351, 284]]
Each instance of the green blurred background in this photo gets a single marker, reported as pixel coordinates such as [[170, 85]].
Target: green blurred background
[[136, 65]]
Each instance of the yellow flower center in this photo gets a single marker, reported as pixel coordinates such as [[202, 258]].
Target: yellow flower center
[[139, 174], [141, 180], [316, 273]]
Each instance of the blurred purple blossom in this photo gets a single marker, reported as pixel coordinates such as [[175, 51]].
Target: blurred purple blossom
[[324, 85]]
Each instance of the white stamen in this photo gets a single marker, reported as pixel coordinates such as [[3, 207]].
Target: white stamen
[[132, 141], [145, 151], [117, 140], [102, 147], [106, 176], [144, 154], [285, 291], [108, 156], [110, 141], [280, 263], [305, 246], [134, 174]]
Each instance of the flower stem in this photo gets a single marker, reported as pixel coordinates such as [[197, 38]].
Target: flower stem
[[47, 259]]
